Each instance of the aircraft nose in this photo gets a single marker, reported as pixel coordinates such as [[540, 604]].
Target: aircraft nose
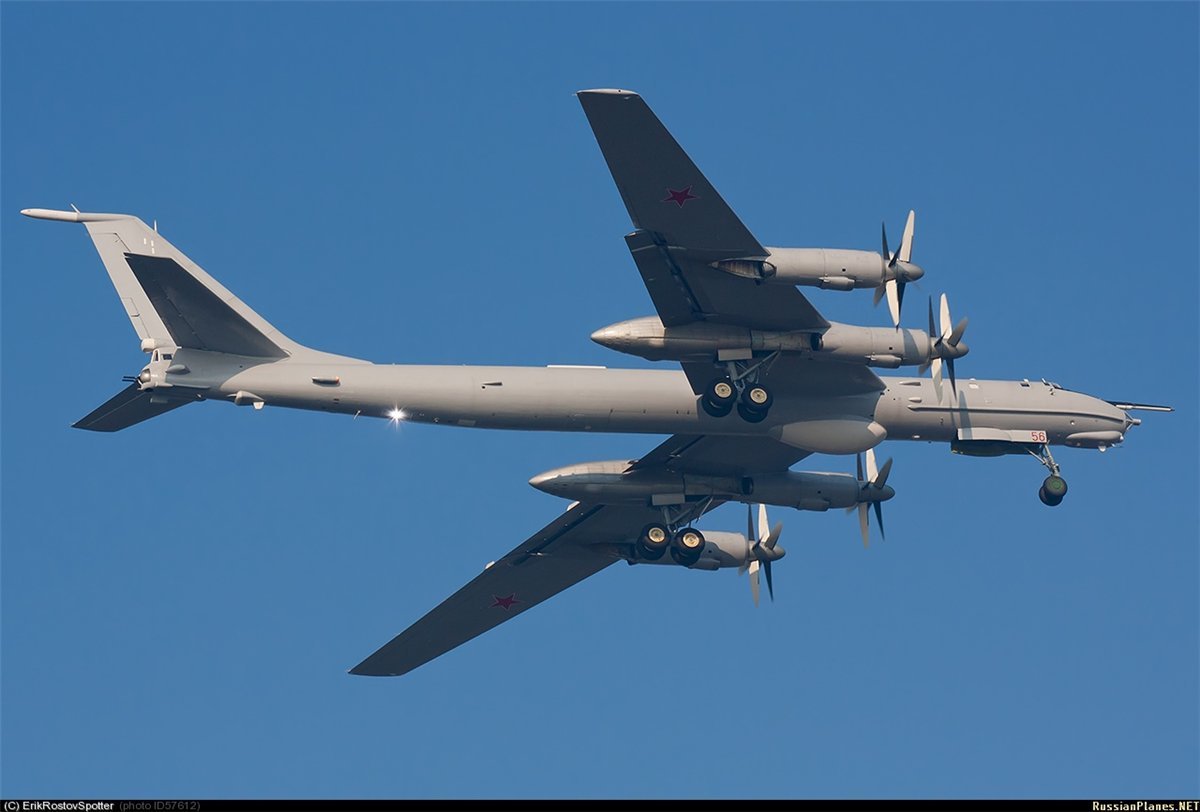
[[539, 481]]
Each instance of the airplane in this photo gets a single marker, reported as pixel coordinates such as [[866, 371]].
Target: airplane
[[799, 385]]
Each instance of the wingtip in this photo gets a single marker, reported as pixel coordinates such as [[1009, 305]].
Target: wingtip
[[73, 216], [605, 91]]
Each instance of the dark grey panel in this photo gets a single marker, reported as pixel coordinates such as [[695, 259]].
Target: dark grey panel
[[127, 407], [685, 289], [556, 557], [721, 455], [662, 189], [193, 314]]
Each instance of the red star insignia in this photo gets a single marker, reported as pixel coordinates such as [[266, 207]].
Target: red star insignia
[[504, 603], [679, 196]]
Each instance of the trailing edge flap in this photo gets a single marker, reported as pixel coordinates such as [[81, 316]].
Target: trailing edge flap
[[127, 407]]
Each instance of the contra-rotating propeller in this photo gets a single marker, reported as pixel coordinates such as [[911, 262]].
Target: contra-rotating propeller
[[900, 270], [946, 347], [763, 551], [874, 491]]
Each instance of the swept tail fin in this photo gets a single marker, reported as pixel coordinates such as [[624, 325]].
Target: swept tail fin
[[169, 299]]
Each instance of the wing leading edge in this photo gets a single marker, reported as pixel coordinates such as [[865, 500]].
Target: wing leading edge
[[563, 553]]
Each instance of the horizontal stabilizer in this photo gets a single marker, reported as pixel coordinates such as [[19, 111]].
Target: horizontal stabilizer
[[129, 406]]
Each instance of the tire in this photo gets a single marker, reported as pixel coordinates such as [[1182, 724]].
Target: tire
[[714, 410], [750, 415], [687, 546], [720, 392], [1055, 486], [1048, 499], [757, 398], [652, 542]]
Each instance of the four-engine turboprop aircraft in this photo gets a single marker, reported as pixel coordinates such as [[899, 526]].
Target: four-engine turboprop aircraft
[[799, 385]]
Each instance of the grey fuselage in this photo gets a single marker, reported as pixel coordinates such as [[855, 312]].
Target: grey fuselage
[[598, 399]]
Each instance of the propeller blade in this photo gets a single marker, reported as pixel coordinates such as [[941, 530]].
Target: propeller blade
[[858, 462], [944, 313], [882, 478], [906, 242], [936, 366], [872, 471], [886, 253], [892, 288], [770, 585], [950, 369], [957, 334], [878, 295], [749, 524], [879, 517], [863, 524], [754, 580], [771, 540], [900, 283], [932, 335], [763, 525]]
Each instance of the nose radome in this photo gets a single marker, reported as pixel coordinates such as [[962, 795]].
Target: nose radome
[[541, 480]]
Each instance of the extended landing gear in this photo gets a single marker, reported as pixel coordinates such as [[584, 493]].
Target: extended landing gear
[[686, 546], [719, 397], [1054, 487], [653, 542], [754, 403], [740, 387], [685, 543]]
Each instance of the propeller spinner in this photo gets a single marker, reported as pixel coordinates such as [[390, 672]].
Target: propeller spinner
[[900, 270], [763, 551], [875, 491], [947, 346]]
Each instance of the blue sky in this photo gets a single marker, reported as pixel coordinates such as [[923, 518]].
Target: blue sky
[[416, 183]]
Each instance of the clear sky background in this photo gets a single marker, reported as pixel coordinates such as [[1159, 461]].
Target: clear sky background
[[416, 183]]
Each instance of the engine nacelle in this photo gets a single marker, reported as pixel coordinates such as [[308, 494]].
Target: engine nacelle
[[874, 346], [829, 268], [646, 337], [612, 482]]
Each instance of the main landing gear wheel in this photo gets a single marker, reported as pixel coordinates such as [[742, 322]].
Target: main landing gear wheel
[[687, 546], [1053, 489], [754, 403], [718, 397], [652, 542]]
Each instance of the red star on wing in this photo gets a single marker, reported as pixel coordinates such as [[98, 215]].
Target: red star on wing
[[679, 196], [505, 603]]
